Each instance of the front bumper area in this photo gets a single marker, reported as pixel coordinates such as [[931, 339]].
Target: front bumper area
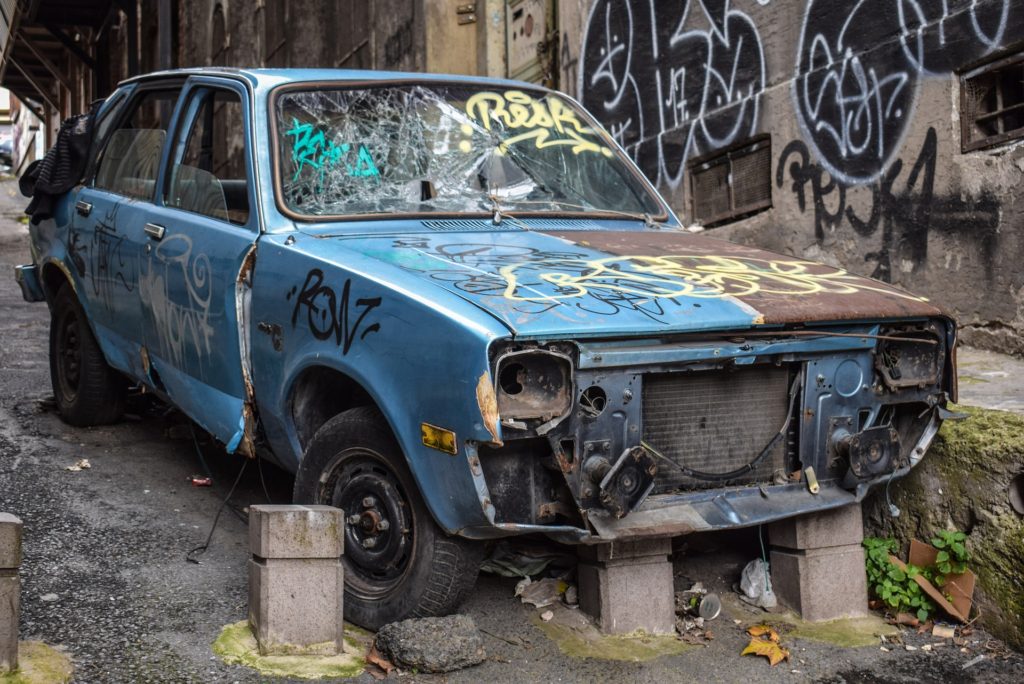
[[28, 279]]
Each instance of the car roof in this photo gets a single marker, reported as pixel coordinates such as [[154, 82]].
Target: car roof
[[269, 78]]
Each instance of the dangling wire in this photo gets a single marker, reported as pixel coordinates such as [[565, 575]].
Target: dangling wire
[[201, 549]]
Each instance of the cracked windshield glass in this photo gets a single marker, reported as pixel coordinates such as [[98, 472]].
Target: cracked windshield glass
[[447, 150]]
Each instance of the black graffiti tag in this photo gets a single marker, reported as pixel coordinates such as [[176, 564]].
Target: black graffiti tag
[[906, 216], [327, 315]]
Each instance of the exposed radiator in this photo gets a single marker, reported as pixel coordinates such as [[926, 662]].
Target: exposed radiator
[[716, 422]]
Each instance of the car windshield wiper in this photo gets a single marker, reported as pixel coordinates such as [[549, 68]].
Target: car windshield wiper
[[645, 217]]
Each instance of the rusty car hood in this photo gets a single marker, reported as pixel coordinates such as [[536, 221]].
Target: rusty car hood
[[629, 282]]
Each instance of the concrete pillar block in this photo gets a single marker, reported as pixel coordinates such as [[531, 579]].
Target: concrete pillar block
[[821, 584], [626, 593], [835, 527], [10, 591], [296, 579]]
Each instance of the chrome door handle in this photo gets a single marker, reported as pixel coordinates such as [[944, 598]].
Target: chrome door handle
[[83, 208], [155, 231]]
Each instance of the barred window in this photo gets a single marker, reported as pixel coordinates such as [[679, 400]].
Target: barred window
[[732, 184], [992, 103]]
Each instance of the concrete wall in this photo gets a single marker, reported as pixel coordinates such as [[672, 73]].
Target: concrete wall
[[866, 165]]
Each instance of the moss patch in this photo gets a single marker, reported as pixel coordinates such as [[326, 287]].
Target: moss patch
[[39, 664], [577, 637], [847, 633], [236, 645], [963, 483]]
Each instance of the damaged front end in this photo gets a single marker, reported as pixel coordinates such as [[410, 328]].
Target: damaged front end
[[632, 438]]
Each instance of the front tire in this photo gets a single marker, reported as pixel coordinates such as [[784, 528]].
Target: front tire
[[398, 562], [88, 391]]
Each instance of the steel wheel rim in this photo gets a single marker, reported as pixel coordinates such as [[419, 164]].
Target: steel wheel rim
[[379, 524], [69, 355]]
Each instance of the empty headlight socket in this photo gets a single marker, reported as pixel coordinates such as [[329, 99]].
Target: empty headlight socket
[[534, 385]]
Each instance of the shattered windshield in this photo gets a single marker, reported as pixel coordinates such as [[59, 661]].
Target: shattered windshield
[[443, 149]]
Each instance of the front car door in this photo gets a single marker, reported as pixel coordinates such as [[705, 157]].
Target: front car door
[[192, 284], [104, 238]]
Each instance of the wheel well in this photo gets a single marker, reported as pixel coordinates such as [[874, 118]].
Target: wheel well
[[319, 394], [53, 278]]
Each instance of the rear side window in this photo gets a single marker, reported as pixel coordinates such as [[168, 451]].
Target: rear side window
[[131, 157], [209, 172]]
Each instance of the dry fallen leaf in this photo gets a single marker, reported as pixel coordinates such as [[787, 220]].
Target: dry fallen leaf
[[80, 464], [763, 631], [769, 649], [375, 658]]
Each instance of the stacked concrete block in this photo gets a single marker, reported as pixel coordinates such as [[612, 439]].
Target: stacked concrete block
[[817, 564], [10, 591], [627, 586], [296, 579]]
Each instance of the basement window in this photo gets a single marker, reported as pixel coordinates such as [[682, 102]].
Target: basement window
[[992, 103], [733, 184]]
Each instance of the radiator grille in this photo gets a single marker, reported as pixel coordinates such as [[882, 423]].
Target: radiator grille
[[715, 422]]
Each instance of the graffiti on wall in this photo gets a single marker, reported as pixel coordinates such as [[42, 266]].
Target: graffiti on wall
[[904, 209], [672, 80], [859, 64]]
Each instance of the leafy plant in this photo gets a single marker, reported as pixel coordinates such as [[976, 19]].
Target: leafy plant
[[892, 585], [953, 554]]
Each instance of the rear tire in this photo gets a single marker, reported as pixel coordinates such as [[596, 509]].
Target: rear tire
[[87, 390], [398, 562]]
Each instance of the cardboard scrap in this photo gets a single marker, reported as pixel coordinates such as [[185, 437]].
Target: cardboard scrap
[[960, 587]]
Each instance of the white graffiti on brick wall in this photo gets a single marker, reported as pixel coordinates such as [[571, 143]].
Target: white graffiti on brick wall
[[666, 87], [859, 65]]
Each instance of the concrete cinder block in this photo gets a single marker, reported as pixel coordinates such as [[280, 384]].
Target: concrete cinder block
[[292, 531], [626, 550], [10, 605], [627, 595], [821, 584], [835, 527], [10, 541], [295, 605]]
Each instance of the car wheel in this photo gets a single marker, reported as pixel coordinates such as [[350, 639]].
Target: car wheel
[[398, 562], [87, 390]]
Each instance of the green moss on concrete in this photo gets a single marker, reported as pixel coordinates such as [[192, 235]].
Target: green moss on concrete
[[39, 664], [963, 483], [588, 642], [236, 645], [846, 633]]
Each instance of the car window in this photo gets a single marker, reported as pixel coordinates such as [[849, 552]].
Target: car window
[[131, 156], [209, 173]]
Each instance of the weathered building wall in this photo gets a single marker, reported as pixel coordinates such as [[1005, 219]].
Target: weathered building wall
[[860, 100]]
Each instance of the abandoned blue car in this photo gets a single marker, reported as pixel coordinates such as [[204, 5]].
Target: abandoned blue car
[[456, 310]]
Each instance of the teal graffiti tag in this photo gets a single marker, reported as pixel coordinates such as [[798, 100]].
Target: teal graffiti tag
[[312, 148]]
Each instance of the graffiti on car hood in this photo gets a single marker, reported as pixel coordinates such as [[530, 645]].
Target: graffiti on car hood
[[610, 282]]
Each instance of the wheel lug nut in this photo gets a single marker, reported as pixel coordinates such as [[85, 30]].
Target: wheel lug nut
[[383, 525], [369, 542], [353, 519], [368, 502]]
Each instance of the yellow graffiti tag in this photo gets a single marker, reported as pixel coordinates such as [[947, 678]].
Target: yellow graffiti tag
[[704, 276], [549, 122]]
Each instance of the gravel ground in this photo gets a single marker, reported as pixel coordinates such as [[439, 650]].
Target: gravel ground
[[105, 575]]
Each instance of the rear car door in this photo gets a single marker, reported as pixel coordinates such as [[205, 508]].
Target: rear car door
[[104, 238], [192, 287]]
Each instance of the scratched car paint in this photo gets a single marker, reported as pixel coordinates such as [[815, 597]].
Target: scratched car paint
[[456, 309]]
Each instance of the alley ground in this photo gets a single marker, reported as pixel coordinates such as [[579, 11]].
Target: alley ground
[[105, 576]]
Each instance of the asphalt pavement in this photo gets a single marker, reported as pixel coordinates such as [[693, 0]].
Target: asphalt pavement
[[105, 575]]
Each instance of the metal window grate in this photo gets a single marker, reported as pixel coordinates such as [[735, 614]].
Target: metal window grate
[[732, 184], [992, 103], [716, 422]]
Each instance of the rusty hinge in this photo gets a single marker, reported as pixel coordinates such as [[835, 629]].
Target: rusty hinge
[[466, 13]]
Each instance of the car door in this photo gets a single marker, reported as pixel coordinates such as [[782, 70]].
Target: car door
[[105, 233], [196, 238]]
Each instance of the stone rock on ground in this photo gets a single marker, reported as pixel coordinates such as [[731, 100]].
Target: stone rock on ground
[[437, 644]]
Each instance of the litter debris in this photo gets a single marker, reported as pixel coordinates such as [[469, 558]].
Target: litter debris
[[943, 630], [380, 667], [80, 464], [710, 607], [525, 560], [883, 649], [926, 647], [547, 615], [905, 619], [49, 598], [972, 662], [765, 642], [200, 481], [756, 585], [543, 593], [959, 586], [910, 648], [572, 595]]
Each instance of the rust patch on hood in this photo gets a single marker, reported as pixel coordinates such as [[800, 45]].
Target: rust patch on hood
[[488, 404], [781, 289]]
